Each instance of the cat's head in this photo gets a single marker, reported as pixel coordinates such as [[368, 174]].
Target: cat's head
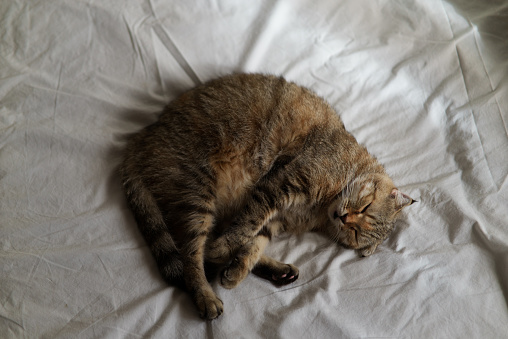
[[364, 212]]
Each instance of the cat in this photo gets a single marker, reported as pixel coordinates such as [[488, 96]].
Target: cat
[[240, 159]]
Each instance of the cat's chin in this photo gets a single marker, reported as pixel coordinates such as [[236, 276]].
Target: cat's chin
[[367, 251], [345, 242], [364, 249]]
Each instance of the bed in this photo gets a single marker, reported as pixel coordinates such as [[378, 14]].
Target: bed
[[422, 84]]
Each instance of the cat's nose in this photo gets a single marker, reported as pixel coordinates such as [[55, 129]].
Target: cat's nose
[[344, 218]]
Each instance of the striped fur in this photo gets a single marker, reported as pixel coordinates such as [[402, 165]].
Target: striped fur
[[243, 158]]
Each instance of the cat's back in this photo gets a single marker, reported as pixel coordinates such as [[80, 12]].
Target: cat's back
[[244, 110], [229, 132]]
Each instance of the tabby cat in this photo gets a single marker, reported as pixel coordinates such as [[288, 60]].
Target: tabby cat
[[240, 159]]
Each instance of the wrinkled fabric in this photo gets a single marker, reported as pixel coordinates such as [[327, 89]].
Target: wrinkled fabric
[[421, 83]]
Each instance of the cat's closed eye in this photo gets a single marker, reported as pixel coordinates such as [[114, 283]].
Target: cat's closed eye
[[365, 208], [344, 216]]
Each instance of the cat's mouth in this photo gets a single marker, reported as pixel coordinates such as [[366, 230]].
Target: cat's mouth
[[350, 236], [354, 237], [349, 233]]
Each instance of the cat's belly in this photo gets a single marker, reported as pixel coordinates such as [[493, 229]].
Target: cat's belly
[[233, 183], [300, 219]]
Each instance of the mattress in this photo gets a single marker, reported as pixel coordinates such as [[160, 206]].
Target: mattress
[[421, 83]]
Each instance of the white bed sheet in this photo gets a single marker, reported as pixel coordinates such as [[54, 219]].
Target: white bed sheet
[[422, 83]]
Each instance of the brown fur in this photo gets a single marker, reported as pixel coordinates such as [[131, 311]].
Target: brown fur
[[243, 158]]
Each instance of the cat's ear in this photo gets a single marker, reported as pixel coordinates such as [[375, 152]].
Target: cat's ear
[[401, 200]]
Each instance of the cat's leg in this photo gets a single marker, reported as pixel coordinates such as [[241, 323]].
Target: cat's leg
[[207, 302], [260, 209], [284, 185], [245, 259], [234, 239], [275, 271]]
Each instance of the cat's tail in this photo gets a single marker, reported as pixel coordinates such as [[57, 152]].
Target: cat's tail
[[151, 224]]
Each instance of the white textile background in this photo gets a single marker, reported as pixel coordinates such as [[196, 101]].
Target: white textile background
[[422, 83]]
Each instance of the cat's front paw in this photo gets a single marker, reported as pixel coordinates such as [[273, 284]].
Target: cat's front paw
[[209, 305], [234, 274], [218, 251]]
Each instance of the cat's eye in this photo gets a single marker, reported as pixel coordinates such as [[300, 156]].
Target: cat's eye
[[365, 208]]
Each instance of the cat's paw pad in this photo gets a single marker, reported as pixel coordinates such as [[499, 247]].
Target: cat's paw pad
[[286, 276], [233, 274], [209, 305]]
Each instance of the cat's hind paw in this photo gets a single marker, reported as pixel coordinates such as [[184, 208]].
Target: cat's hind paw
[[286, 276], [278, 273]]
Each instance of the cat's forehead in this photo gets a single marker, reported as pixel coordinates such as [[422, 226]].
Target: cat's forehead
[[364, 189], [370, 185], [385, 184]]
